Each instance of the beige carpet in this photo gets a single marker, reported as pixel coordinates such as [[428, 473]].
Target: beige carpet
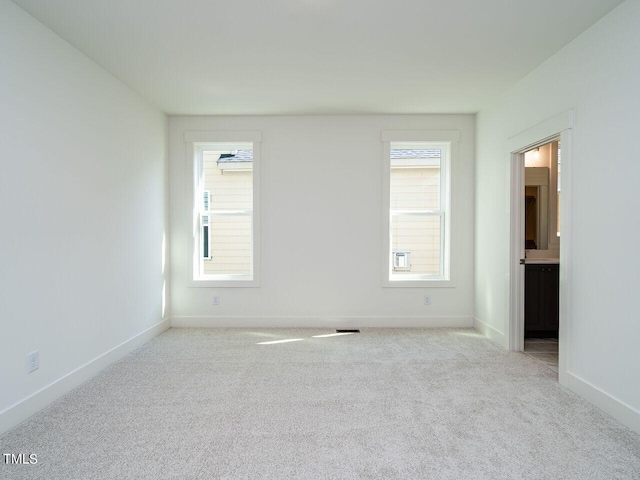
[[384, 403]]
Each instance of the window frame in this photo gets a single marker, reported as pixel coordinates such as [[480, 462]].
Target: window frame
[[448, 140], [196, 143]]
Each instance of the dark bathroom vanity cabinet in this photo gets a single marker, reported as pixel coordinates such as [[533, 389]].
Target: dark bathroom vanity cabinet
[[542, 300]]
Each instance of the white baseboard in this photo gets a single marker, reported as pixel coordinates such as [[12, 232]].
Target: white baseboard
[[322, 322], [490, 332], [20, 411], [610, 405]]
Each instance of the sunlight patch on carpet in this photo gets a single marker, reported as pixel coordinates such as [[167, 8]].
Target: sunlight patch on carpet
[[281, 341]]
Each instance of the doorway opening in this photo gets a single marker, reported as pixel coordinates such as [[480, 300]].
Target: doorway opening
[[542, 191], [539, 320]]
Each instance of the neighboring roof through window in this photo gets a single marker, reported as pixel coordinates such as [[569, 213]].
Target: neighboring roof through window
[[236, 156], [415, 157], [414, 153]]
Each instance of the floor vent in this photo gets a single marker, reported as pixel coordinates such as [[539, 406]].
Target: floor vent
[[347, 331]]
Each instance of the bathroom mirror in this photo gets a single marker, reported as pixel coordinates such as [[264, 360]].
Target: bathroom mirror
[[536, 208]]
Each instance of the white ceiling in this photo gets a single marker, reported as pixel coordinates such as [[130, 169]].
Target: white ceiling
[[318, 56]]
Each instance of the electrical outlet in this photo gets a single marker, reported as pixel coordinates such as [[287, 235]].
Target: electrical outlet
[[33, 361], [215, 299], [427, 299]]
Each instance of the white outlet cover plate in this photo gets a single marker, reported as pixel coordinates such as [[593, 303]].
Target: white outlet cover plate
[[33, 361]]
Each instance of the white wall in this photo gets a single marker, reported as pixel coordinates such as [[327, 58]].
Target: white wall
[[322, 227], [82, 209], [598, 76]]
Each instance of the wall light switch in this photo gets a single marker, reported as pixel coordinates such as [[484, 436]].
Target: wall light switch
[[215, 299], [427, 299]]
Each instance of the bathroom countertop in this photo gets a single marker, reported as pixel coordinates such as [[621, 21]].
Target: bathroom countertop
[[538, 261]]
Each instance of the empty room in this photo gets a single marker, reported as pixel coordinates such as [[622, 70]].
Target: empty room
[[319, 239]]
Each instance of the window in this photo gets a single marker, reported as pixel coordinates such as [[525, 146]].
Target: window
[[417, 189], [225, 209]]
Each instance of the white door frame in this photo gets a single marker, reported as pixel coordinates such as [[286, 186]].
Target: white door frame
[[559, 126]]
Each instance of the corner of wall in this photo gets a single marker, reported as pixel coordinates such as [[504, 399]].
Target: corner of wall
[[17, 413], [491, 333]]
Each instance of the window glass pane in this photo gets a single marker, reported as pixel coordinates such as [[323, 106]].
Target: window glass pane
[[415, 186], [415, 179], [227, 174], [419, 235], [230, 245]]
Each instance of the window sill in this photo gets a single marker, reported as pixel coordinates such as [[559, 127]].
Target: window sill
[[419, 283], [224, 283]]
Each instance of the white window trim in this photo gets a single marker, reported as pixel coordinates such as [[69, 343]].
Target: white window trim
[[194, 140], [450, 139], [206, 194]]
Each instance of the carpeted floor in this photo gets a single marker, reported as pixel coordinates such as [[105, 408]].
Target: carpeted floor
[[381, 404]]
